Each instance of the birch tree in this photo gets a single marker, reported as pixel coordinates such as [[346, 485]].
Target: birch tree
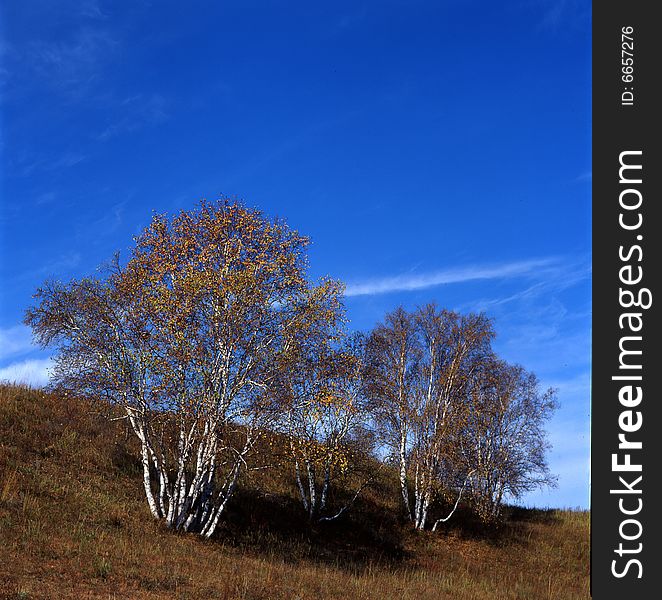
[[324, 414], [504, 437], [420, 363], [454, 346], [394, 353], [184, 340]]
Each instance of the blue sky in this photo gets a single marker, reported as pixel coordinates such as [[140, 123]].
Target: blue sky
[[434, 151]]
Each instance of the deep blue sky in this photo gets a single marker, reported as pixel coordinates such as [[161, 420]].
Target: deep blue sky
[[432, 150]]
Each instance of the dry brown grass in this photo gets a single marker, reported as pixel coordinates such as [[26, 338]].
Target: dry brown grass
[[73, 524]]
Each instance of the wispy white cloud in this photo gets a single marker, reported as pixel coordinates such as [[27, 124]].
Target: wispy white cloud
[[537, 321], [419, 281], [15, 340], [57, 267], [111, 219], [555, 278], [277, 150], [70, 67], [46, 198], [33, 372], [74, 61], [91, 9], [139, 110], [27, 165]]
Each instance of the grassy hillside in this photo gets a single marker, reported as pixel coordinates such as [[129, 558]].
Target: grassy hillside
[[74, 524]]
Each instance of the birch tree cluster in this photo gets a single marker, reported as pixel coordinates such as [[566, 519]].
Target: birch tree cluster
[[452, 417], [212, 336]]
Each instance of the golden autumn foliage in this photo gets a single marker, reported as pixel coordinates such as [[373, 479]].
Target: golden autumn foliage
[[198, 324]]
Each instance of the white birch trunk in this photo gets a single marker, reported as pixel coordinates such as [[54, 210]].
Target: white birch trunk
[[302, 491], [147, 483], [325, 486], [312, 488], [209, 528], [403, 474], [457, 502]]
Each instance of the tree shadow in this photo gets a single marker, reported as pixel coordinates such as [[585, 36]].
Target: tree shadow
[[276, 526], [512, 529]]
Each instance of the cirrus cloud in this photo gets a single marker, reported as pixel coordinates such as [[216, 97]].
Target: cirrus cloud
[[419, 281]]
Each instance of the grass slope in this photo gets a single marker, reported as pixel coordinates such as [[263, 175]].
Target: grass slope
[[74, 524]]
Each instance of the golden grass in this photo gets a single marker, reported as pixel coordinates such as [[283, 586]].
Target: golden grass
[[73, 524]]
